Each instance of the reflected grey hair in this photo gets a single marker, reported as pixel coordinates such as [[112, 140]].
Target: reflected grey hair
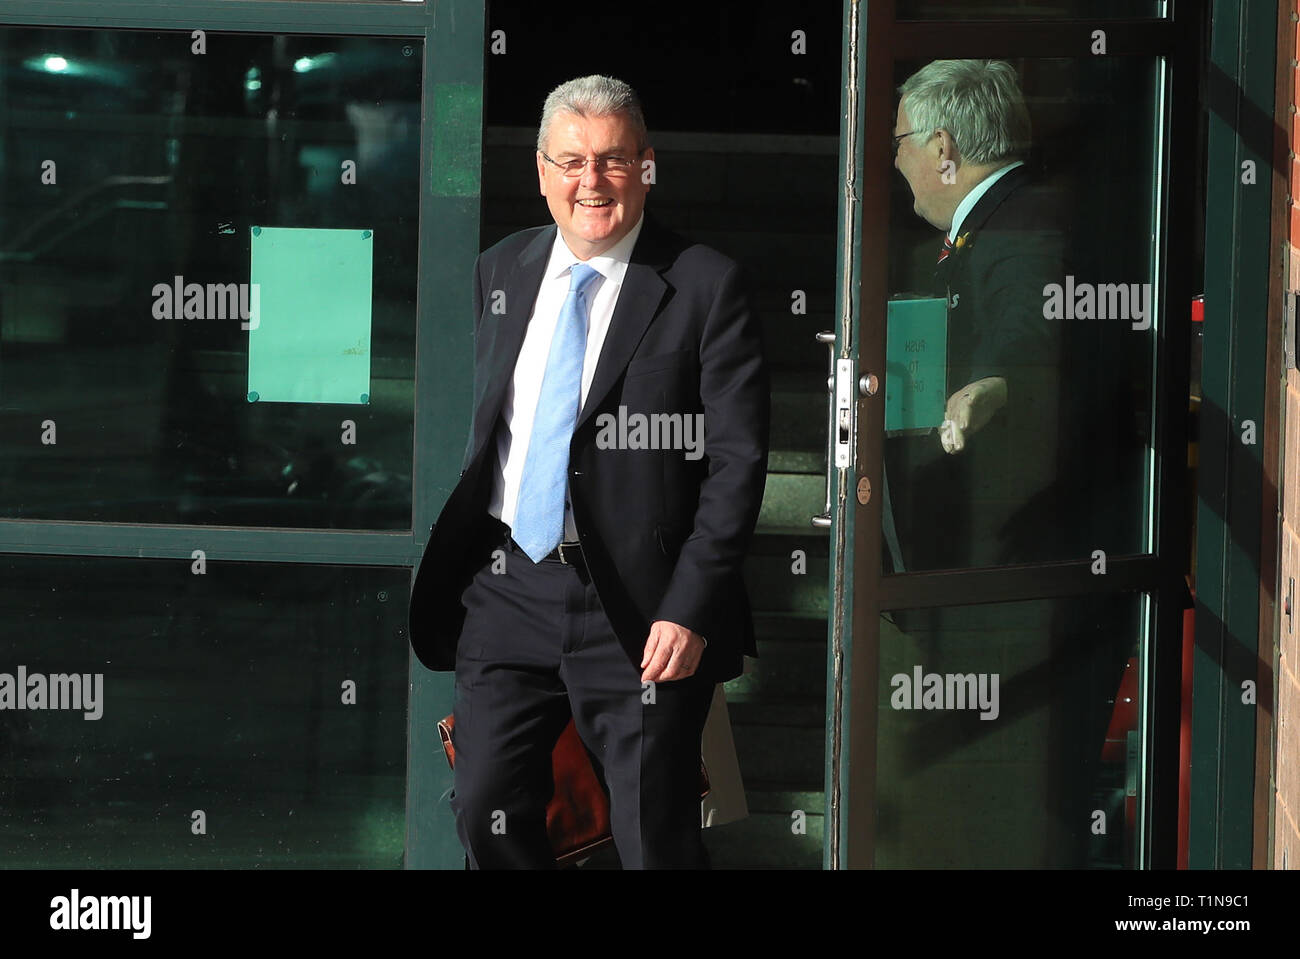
[[593, 96], [978, 102]]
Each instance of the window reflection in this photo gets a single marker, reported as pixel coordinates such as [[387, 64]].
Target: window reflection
[[1025, 220], [270, 698], [1008, 735], [131, 159]]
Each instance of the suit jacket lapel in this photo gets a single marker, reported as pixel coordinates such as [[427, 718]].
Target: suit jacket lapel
[[520, 289], [979, 215], [638, 302]]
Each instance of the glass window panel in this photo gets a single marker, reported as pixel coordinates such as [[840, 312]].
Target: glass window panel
[[1019, 773], [129, 160], [1050, 299], [1028, 9], [221, 692]]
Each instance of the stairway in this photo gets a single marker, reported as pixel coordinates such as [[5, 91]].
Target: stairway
[[778, 708]]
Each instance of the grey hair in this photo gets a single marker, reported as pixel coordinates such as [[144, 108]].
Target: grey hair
[[593, 96], [978, 102]]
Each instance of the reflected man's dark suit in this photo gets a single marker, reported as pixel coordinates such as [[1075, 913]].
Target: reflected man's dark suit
[[1026, 489], [995, 493]]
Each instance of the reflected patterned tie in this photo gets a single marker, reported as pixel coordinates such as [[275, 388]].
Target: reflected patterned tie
[[539, 515], [947, 248]]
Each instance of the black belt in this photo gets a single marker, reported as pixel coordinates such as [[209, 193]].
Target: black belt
[[570, 554]]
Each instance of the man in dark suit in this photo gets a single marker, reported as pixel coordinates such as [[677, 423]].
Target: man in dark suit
[[994, 464], [588, 563]]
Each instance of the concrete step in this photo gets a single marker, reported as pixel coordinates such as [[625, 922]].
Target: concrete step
[[807, 627], [785, 670], [777, 750], [799, 416], [774, 586], [796, 461], [813, 542], [767, 841], [808, 712], [791, 499], [784, 798]]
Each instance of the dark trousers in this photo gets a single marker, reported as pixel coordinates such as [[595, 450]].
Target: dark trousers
[[536, 649]]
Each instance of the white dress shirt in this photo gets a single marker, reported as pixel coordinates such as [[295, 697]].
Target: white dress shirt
[[520, 405], [970, 199]]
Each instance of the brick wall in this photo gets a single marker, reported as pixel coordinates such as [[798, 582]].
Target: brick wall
[[1286, 818]]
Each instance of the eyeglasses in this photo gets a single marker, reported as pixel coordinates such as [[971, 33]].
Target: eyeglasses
[[611, 164], [898, 139]]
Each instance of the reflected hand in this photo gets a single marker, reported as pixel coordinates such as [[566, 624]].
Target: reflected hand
[[671, 652], [969, 409]]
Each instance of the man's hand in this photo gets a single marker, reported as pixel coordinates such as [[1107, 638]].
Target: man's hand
[[969, 409], [671, 652]]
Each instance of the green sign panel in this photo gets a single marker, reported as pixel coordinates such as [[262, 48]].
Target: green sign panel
[[309, 316], [916, 363]]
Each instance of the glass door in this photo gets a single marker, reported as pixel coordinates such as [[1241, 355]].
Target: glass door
[[1009, 433]]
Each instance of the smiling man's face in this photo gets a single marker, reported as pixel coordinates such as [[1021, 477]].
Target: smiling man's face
[[595, 210]]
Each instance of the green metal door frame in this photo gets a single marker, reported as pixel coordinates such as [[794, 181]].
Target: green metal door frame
[[452, 32], [1237, 265], [843, 778]]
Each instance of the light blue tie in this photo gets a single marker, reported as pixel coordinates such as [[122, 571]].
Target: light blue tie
[[539, 515]]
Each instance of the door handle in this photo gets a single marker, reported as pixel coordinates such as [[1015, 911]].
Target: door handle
[[823, 519], [842, 393]]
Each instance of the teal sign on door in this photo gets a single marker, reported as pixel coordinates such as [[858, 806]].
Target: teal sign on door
[[916, 363]]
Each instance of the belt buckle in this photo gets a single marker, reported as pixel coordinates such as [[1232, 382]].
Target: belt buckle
[[560, 547]]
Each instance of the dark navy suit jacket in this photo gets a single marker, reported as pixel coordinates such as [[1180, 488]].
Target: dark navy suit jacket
[[664, 535], [1001, 499]]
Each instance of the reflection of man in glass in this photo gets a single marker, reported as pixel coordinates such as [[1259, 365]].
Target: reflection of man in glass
[[961, 132], [1001, 484]]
